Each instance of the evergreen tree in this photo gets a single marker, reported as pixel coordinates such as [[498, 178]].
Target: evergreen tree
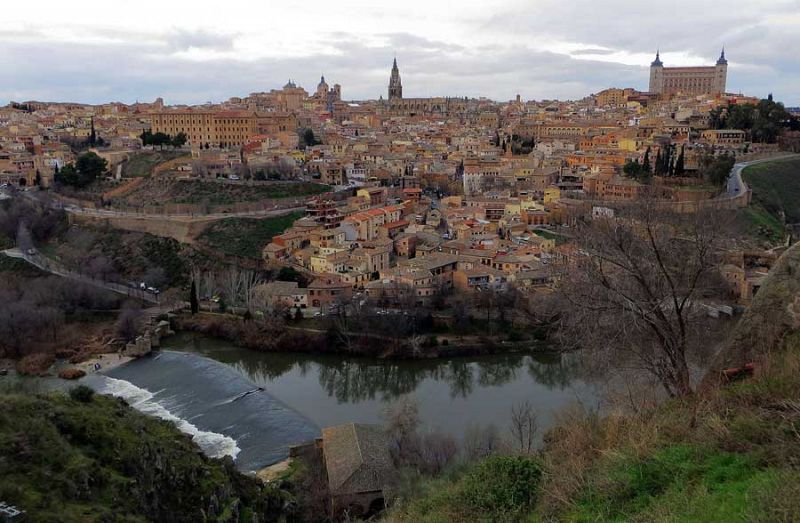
[[92, 134], [659, 166], [193, 302], [679, 167], [646, 161]]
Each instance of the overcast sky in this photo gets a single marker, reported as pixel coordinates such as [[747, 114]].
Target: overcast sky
[[193, 52]]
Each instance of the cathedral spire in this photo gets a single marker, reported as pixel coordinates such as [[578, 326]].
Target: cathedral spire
[[395, 85]]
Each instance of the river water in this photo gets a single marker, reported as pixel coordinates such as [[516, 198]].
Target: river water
[[252, 406]]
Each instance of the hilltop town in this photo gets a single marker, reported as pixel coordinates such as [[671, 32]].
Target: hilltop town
[[637, 224], [400, 196]]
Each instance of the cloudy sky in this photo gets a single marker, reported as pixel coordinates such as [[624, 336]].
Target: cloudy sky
[[192, 52]]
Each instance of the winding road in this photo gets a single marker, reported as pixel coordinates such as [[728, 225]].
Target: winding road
[[735, 185]]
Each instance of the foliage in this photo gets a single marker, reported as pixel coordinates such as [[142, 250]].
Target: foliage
[[84, 457], [764, 121], [291, 274], [497, 489], [87, 168], [636, 171], [158, 139], [307, 138], [193, 301], [716, 169], [246, 237]]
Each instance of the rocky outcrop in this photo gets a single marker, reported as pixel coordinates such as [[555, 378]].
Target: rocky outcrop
[[775, 312]]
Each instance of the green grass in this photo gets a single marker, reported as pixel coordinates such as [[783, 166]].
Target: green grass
[[143, 163], [776, 187], [217, 193], [547, 235], [758, 222], [246, 237], [676, 483], [84, 458], [497, 489]]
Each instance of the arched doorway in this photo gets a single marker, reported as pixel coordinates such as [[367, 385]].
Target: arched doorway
[[23, 182]]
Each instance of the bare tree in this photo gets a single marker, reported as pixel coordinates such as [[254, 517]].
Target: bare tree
[[129, 323], [635, 288], [523, 427], [437, 451], [249, 280], [401, 422], [481, 442], [199, 168]]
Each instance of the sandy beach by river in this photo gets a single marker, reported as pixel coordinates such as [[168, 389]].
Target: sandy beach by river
[[106, 362]]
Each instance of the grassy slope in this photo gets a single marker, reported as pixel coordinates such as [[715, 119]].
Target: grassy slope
[[776, 187], [214, 193], [245, 237], [99, 460], [729, 454], [142, 164]]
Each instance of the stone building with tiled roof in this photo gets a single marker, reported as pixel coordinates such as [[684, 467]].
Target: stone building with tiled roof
[[359, 466]]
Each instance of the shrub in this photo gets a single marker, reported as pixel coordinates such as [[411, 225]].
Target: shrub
[[502, 486], [81, 393]]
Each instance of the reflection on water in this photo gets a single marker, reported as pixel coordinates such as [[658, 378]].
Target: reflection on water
[[452, 393]]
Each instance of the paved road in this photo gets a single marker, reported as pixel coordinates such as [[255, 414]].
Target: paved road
[[736, 185], [48, 265]]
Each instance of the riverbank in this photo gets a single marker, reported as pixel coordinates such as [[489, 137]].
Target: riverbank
[[104, 362], [279, 337]]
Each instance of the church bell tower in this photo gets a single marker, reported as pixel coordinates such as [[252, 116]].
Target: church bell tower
[[395, 87]]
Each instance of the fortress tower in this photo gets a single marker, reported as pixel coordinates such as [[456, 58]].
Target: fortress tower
[[689, 80]]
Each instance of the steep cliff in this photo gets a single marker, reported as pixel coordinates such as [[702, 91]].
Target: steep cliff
[[775, 312]]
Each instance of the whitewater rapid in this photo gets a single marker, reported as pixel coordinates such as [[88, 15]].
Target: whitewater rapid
[[213, 444]]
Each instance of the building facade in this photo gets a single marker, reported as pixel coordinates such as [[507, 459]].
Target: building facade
[[689, 80], [396, 105], [222, 128]]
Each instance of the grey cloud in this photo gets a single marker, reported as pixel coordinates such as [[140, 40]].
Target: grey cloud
[[592, 51], [127, 72], [182, 40]]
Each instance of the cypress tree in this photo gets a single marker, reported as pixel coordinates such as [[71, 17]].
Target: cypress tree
[[92, 134], [646, 161], [659, 164], [193, 302], [679, 167]]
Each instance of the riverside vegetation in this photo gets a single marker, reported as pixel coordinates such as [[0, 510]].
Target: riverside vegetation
[[80, 457], [729, 452]]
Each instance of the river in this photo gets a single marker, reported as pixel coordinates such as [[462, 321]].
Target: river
[[253, 405]]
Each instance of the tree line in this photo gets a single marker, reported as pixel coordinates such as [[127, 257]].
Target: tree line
[[160, 139], [763, 122]]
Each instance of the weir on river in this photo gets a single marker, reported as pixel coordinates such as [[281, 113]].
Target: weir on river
[[253, 406]]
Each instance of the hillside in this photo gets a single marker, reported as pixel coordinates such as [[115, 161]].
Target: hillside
[[776, 187], [731, 453], [82, 458]]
